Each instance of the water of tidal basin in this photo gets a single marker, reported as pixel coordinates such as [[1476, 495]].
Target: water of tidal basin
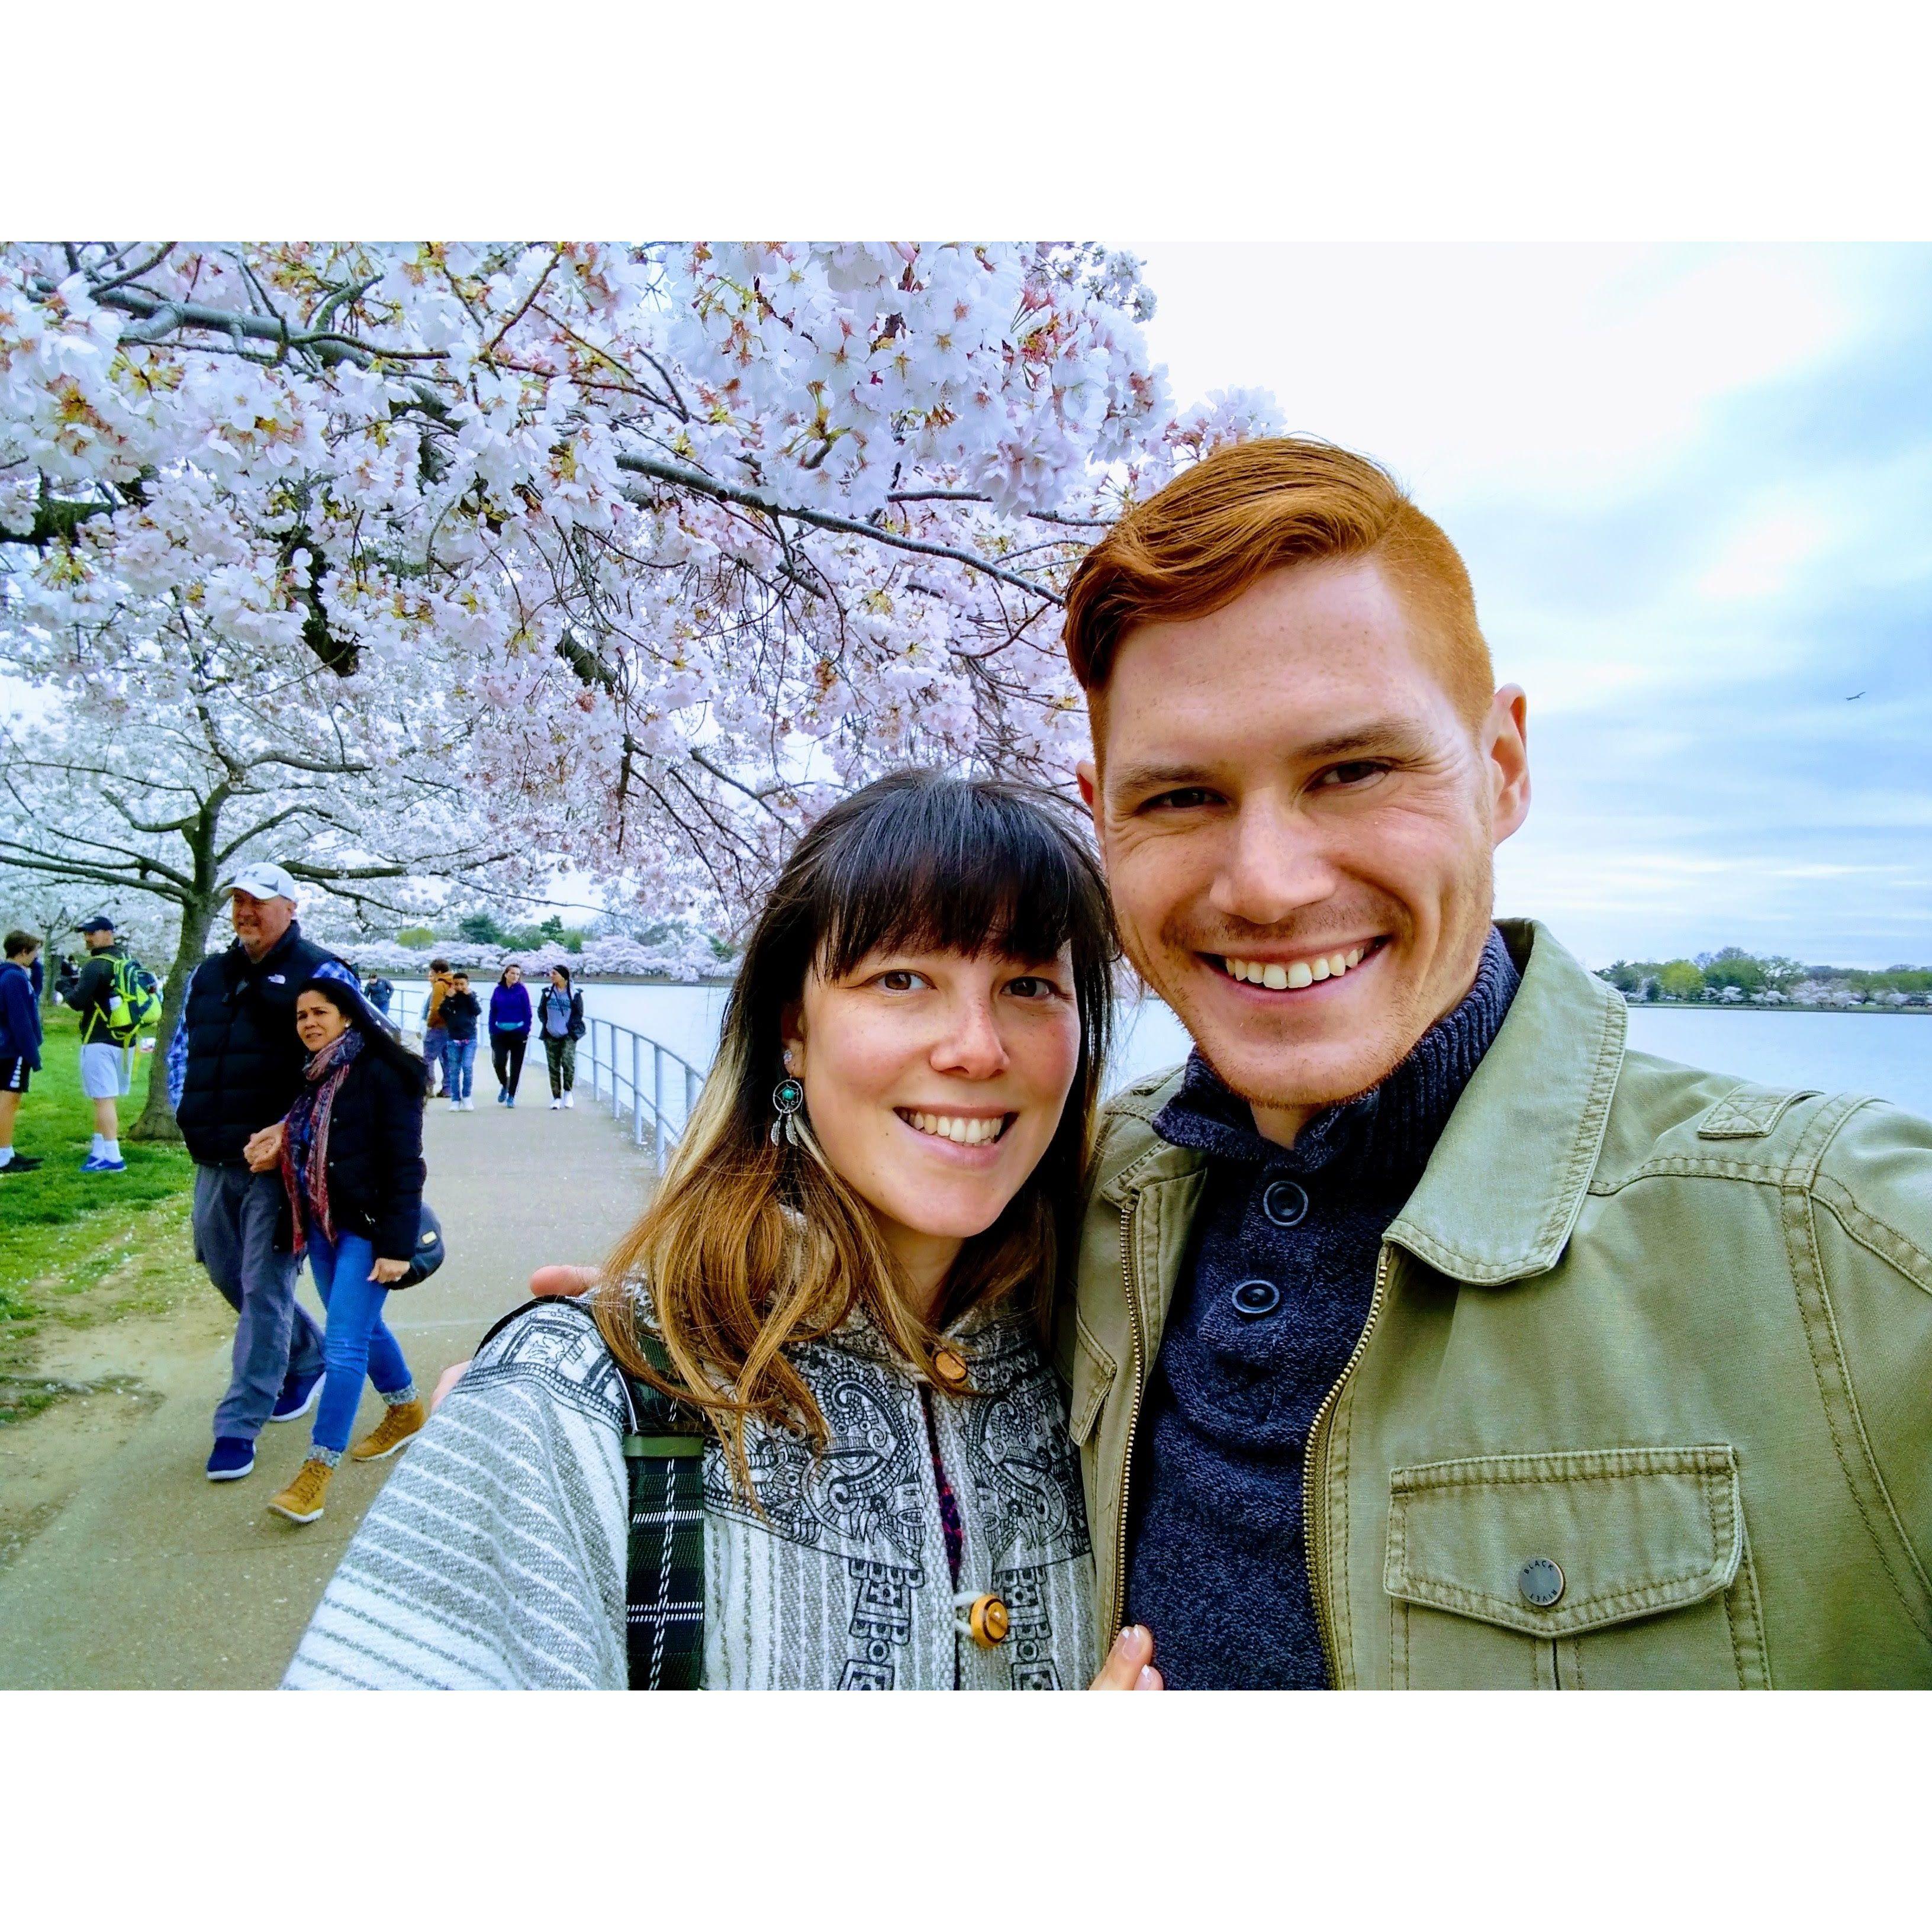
[[1888, 1055]]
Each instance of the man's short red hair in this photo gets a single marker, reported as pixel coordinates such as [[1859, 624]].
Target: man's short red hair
[[1194, 547]]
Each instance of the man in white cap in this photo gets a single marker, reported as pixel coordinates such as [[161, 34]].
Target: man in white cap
[[234, 1067]]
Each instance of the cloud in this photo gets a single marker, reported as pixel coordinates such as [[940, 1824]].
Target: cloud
[[1694, 489]]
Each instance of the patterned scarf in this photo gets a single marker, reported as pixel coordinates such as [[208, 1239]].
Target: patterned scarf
[[305, 1136]]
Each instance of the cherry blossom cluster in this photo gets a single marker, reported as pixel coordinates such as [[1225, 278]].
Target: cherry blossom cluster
[[648, 550]]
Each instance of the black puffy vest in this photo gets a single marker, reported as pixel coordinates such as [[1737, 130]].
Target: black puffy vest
[[244, 1064]]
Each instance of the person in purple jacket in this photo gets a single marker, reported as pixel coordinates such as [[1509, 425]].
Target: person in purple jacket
[[509, 1031]]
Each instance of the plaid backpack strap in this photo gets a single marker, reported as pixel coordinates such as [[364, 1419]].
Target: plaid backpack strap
[[664, 1595]]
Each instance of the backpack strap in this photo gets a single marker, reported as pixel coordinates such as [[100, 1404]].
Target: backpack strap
[[664, 1613], [664, 1458]]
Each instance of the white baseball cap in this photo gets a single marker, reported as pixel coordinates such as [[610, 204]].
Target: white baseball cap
[[264, 881]]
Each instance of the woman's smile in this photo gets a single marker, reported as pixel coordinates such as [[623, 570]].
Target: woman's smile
[[958, 1130]]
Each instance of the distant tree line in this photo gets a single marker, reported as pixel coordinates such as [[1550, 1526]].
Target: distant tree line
[[1732, 977]]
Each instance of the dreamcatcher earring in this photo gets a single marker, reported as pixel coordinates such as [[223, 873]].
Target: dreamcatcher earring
[[788, 1098]]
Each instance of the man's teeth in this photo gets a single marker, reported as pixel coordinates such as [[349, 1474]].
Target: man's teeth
[[1301, 973], [968, 1131]]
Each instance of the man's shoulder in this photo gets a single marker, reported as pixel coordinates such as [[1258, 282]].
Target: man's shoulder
[[1671, 1119]]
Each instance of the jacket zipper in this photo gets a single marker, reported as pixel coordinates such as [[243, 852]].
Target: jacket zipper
[[1134, 1410], [1314, 1531]]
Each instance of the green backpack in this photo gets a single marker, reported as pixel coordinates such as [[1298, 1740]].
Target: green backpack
[[135, 1005]]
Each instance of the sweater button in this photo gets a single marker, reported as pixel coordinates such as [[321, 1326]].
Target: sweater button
[[1285, 1203], [1540, 1580], [1255, 1298], [949, 1369]]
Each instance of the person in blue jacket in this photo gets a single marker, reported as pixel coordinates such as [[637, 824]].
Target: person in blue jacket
[[510, 1018], [19, 1042]]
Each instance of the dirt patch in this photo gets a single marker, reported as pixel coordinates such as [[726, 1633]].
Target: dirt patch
[[120, 1307], [44, 1463]]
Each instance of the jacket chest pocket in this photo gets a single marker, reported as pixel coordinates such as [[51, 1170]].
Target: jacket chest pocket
[[1599, 1569]]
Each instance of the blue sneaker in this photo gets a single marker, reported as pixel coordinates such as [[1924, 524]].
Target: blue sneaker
[[232, 1459], [299, 1395], [94, 1164], [509, 1099]]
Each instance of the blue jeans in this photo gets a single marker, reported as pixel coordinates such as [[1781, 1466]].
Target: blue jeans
[[436, 1054], [459, 1063], [356, 1343]]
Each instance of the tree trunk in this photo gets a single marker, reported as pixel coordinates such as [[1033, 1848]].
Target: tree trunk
[[157, 1117]]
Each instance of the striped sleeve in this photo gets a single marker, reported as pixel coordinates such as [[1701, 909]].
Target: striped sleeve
[[494, 1558]]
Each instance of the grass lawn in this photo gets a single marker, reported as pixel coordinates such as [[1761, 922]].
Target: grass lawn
[[79, 1248]]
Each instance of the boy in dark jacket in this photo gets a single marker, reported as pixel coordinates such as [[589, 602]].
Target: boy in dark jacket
[[460, 1013], [19, 1042]]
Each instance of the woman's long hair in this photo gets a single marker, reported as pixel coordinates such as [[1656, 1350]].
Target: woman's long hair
[[750, 1244], [377, 1037]]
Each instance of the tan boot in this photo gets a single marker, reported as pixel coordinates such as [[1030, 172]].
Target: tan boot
[[400, 1421], [301, 1501]]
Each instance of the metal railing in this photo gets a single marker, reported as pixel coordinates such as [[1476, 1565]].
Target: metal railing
[[618, 1073]]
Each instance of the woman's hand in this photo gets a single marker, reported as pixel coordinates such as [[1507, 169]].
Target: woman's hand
[[1129, 1664], [386, 1272], [263, 1151]]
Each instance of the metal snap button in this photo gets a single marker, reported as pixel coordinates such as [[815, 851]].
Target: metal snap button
[[1540, 1581], [1255, 1298], [1285, 1203]]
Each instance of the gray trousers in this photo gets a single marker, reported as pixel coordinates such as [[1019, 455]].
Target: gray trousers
[[235, 1211]]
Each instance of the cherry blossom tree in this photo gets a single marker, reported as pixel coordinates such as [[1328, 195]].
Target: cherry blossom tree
[[163, 794], [673, 541]]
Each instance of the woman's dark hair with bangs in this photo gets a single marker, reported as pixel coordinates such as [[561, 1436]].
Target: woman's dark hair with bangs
[[751, 1243]]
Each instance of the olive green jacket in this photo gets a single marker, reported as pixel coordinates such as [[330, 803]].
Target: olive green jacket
[[1644, 1397]]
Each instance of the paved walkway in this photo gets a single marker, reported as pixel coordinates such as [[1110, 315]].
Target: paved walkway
[[152, 1577]]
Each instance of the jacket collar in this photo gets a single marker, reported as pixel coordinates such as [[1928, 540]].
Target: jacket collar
[[1508, 1178], [1502, 1191], [241, 966]]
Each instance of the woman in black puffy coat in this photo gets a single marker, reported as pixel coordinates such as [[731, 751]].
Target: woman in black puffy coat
[[350, 1152]]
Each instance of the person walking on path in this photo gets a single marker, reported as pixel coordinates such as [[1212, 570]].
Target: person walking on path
[[19, 1042], [234, 1066], [96, 994], [349, 1157], [379, 993], [560, 1021], [460, 1013], [509, 1031], [436, 1033]]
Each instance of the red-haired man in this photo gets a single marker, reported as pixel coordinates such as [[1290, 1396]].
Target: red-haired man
[[1424, 1335]]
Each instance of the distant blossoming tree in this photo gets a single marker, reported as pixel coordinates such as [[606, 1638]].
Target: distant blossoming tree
[[161, 797], [674, 541]]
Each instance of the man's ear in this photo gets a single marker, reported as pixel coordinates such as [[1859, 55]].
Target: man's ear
[[1089, 775], [1506, 734]]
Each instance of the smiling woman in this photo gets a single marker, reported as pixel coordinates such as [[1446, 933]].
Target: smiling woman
[[933, 968], [836, 1457]]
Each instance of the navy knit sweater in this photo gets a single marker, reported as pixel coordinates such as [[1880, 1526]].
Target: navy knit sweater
[[1273, 1295]]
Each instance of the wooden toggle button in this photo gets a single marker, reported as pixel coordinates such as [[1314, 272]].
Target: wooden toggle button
[[949, 1369], [987, 1619]]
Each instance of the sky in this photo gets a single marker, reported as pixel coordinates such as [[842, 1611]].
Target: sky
[[1694, 486]]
